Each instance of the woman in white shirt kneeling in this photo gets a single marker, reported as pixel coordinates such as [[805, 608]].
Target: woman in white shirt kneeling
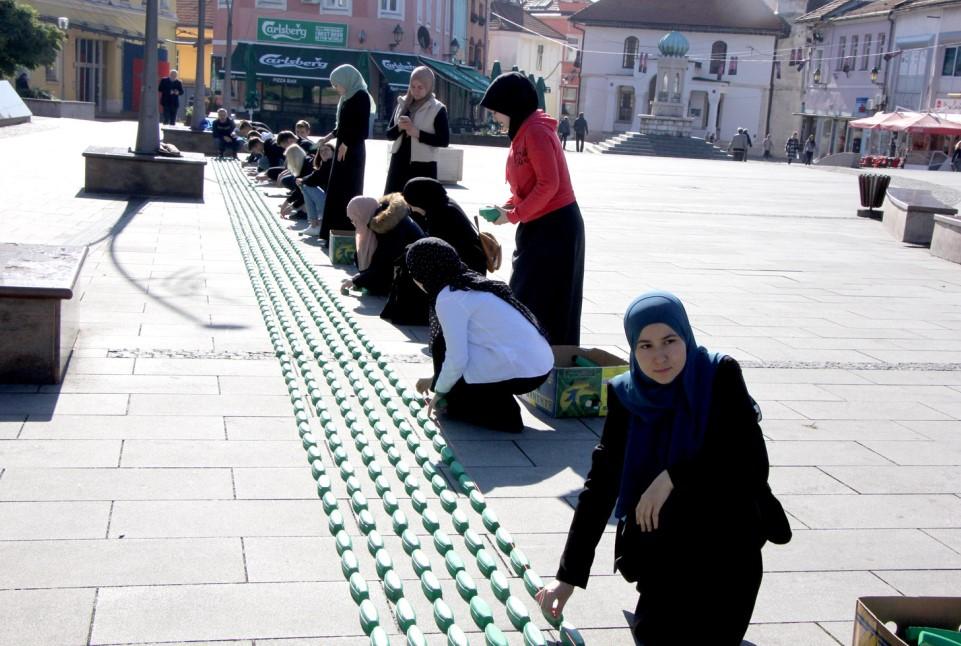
[[486, 345]]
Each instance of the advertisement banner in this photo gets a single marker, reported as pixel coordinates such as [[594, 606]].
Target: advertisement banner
[[301, 32]]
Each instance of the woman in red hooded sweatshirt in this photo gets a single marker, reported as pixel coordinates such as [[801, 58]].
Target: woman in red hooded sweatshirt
[[548, 267]]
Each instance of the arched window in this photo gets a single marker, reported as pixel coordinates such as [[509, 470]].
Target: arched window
[[625, 103], [630, 53], [718, 58]]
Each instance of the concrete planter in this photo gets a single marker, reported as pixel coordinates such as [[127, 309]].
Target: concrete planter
[[946, 239], [62, 109], [187, 140], [117, 170]]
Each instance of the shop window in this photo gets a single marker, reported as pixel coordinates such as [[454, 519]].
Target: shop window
[[630, 53], [718, 58], [732, 66]]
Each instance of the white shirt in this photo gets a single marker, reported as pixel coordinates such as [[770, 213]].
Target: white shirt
[[488, 340]]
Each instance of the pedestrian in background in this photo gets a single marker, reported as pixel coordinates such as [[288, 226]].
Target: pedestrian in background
[[170, 89], [548, 267], [738, 145], [810, 148], [351, 128], [791, 147], [766, 146], [418, 127], [580, 131], [564, 131]]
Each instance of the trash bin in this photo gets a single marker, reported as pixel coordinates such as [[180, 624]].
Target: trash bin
[[873, 188]]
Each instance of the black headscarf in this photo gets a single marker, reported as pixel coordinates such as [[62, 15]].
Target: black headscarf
[[435, 264], [425, 193], [514, 95]]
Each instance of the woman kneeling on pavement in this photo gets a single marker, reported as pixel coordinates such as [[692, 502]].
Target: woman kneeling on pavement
[[486, 345], [441, 217], [683, 464]]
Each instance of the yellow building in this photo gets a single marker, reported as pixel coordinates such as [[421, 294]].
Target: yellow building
[[102, 56], [186, 60]]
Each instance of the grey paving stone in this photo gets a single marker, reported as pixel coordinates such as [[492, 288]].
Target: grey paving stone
[[255, 367], [923, 583], [949, 537], [791, 392], [88, 366], [869, 410], [899, 479], [217, 612], [218, 518], [232, 384], [274, 559], [948, 430], [912, 377], [619, 597], [547, 515], [795, 597], [59, 453], [802, 376], [123, 427], [809, 634], [805, 480], [544, 552], [277, 483], [524, 482], [861, 549], [234, 405], [115, 484], [774, 410], [811, 453], [211, 453], [875, 511], [260, 428], [195, 343], [842, 631], [10, 426], [552, 453], [932, 453], [53, 520], [115, 562], [135, 384], [43, 406], [66, 616], [831, 429], [490, 453]]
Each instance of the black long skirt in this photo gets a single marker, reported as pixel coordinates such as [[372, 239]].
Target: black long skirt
[[548, 272], [346, 183], [402, 169]]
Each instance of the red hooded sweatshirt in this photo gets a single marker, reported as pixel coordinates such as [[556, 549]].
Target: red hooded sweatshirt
[[537, 170]]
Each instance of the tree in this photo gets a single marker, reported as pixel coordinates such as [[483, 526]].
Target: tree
[[24, 40]]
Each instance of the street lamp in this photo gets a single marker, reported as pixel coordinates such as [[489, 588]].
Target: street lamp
[[63, 24], [874, 75], [398, 36], [454, 48], [817, 76]]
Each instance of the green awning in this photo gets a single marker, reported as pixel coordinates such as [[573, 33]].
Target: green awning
[[396, 68], [460, 75], [291, 63]]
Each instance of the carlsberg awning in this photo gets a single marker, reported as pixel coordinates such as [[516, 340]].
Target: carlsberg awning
[[396, 68], [302, 63]]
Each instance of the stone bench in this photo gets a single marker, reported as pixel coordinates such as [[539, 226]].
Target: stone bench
[[117, 170], [946, 239], [38, 311], [909, 214], [191, 141]]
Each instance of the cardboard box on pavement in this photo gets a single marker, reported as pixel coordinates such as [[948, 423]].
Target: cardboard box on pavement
[[873, 613], [342, 247], [577, 391]]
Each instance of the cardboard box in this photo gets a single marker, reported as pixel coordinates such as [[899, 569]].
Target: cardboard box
[[342, 247], [873, 617], [573, 391]]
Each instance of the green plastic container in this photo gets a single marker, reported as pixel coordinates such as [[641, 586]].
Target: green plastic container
[[519, 562], [358, 588], [465, 586], [517, 613], [420, 561], [410, 541], [404, 613], [489, 213], [415, 637], [453, 562], [494, 636], [368, 616], [481, 613], [375, 542], [348, 564], [393, 587], [456, 637], [571, 637], [442, 542], [342, 542], [473, 541], [431, 586], [485, 562], [378, 637], [533, 635], [532, 582], [443, 615], [500, 586], [913, 633]]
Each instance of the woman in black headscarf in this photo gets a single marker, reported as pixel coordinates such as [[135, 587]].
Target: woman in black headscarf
[[441, 217], [548, 271], [486, 345]]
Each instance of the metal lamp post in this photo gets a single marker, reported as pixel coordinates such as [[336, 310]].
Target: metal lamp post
[[200, 89], [148, 125]]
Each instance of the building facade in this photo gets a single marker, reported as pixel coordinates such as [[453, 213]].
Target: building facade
[[730, 62], [186, 60], [101, 60], [556, 14]]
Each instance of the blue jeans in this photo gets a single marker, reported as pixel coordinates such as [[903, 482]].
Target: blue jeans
[[223, 146], [314, 198]]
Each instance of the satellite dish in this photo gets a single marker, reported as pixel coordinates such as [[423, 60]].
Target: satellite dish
[[423, 37]]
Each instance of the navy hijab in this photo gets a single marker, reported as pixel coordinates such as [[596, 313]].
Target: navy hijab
[[667, 422]]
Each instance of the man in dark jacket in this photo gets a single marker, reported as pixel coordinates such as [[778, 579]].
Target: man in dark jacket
[[580, 131], [223, 133], [170, 90]]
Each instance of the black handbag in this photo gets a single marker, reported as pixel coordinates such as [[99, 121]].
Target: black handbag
[[775, 526]]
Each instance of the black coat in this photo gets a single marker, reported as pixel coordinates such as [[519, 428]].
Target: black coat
[[391, 245], [347, 176], [451, 225], [167, 88], [710, 530], [221, 129], [320, 177]]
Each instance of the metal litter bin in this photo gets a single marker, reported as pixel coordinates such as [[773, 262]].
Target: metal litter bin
[[873, 188]]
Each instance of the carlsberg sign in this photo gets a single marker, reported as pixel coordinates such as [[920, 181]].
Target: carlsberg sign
[[301, 32]]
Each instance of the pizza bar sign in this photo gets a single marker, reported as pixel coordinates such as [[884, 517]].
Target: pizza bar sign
[[301, 32]]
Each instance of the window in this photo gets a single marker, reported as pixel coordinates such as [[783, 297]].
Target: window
[[570, 94], [642, 63], [428, 10], [630, 53], [335, 6], [881, 51], [732, 67], [437, 19], [842, 44], [540, 58], [570, 52], [278, 5], [853, 59], [866, 52], [390, 9], [718, 58], [625, 103], [52, 72], [420, 11], [952, 62]]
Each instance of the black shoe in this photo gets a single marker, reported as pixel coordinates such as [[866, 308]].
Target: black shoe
[[298, 215]]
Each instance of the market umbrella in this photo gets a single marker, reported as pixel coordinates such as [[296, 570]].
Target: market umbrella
[[877, 120], [252, 100], [496, 70], [541, 91], [925, 123]]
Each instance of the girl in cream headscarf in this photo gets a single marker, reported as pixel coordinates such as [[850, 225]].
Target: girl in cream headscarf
[[418, 128]]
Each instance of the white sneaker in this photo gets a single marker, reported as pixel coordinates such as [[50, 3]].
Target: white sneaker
[[311, 231]]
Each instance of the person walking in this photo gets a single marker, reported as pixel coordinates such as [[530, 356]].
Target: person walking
[[351, 128], [766, 146], [548, 264], [680, 422], [580, 131], [418, 128], [791, 147], [810, 148], [738, 145], [170, 89], [564, 131], [956, 157]]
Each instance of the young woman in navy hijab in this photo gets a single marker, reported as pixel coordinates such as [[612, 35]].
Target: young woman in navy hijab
[[682, 464]]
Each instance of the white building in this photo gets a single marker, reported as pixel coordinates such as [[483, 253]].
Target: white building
[[518, 38], [729, 76]]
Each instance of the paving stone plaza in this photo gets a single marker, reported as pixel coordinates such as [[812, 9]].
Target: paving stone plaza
[[185, 485]]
